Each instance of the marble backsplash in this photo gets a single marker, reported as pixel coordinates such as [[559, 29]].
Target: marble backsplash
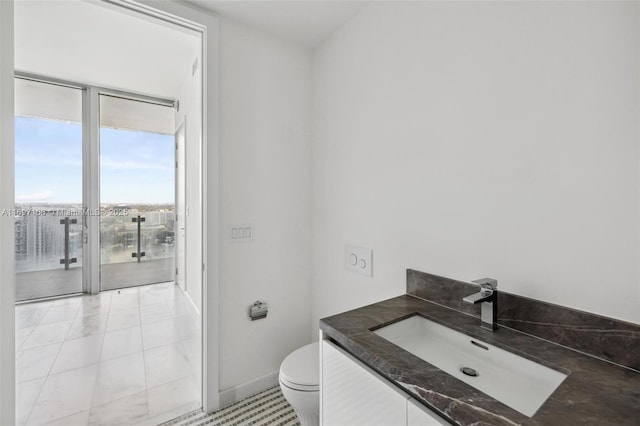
[[605, 338]]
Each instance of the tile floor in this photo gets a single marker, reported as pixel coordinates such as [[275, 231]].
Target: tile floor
[[127, 357]]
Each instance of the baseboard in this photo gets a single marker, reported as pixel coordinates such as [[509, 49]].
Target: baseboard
[[245, 390], [193, 309]]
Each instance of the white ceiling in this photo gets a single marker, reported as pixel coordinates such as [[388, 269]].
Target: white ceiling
[[90, 42], [93, 44], [305, 22]]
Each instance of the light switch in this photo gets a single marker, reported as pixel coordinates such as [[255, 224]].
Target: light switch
[[359, 260], [240, 233]]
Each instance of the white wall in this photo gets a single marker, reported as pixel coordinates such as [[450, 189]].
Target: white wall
[[480, 139], [265, 181], [7, 273]]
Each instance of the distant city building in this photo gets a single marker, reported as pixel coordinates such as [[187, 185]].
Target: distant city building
[[39, 238]]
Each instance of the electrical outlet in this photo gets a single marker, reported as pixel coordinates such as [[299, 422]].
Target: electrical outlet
[[359, 260]]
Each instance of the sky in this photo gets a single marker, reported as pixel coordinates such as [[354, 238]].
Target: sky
[[135, 167]]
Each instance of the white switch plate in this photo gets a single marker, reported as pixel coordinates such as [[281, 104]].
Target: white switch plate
[[240, 233], [359, 260]]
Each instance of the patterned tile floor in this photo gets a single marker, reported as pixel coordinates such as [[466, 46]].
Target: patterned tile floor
[[266, 408], [122, 357]]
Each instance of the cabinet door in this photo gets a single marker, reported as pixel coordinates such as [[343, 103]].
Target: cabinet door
[[354, 395], [419, 415]]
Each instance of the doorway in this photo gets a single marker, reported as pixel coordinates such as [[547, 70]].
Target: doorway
[[119, 339], [138, 340]]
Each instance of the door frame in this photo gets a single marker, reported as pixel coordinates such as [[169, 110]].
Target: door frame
[[180, 242], [207, 25], [7, 244]]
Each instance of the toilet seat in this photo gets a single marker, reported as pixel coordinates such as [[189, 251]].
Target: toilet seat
[[300, 370], [300, 388]]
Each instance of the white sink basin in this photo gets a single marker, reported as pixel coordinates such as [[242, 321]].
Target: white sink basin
[[515, 381]]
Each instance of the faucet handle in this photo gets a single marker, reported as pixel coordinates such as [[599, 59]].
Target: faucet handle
[[487, 284]]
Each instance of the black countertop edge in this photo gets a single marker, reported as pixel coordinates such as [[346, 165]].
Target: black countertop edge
[[594, 391]]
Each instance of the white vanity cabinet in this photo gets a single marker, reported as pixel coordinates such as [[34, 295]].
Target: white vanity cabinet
[[353, 394], [419, 415]]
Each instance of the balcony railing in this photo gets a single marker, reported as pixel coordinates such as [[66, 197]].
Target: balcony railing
[[49, 247]]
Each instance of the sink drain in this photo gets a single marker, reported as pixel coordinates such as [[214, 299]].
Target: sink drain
[[469, 371]]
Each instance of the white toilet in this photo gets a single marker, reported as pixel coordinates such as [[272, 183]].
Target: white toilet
[[300, 383]]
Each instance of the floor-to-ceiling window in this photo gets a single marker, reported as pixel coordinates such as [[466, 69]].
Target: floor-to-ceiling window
[[137, 171], [137, 192], [48, 187]]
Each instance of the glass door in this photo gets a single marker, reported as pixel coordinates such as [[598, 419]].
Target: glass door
[[48, 186], [137, 167]]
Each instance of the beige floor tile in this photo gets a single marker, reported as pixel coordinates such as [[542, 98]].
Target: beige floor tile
[[127, 291], [178, 307], [36, 362], [155, 313], [78, 419], [78, 353], [159, 334], [122, 412], [84, 326], [173, 292], [29, 315], [121, 342], [123, 301], [187, 327], [151, 298], [165, 364], [95, 305], [26, 395], [192, 349], [64, 394], [60, 313], [47, 334], [125, 318], [172, 395], [118, 378], [21, 336]]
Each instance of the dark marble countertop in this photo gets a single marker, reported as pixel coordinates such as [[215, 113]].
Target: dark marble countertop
[[595, 392]]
